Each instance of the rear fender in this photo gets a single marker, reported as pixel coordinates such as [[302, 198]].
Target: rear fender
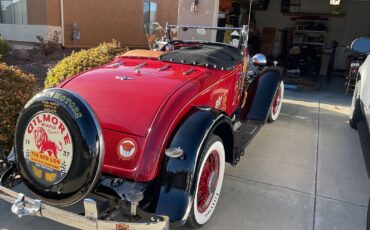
[[174, 194], [261, 93]]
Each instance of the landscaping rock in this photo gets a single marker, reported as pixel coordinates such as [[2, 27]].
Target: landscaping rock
[[23, 55]]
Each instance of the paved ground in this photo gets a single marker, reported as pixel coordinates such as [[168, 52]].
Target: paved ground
[[306, 171]]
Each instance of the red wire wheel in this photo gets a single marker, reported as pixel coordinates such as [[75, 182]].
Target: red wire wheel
[[276, 101], [276, 104], [209, 180]]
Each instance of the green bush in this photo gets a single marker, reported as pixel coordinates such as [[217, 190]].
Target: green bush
[[16, 89], [4, 48], [83, 60]]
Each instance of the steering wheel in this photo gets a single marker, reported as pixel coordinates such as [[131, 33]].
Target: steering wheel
[[178, 44]]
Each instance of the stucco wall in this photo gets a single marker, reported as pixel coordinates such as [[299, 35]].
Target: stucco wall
[[36, 12], [43, 12], [26, 33], [100, 21], [53, 13], [206, 15], [167, 11]]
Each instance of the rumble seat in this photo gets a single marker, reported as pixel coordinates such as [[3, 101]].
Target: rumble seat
[[143, 53]]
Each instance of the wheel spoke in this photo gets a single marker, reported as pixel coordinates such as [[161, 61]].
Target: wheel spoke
[[208, 181]]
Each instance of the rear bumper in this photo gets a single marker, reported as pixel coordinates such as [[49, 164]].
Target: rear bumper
[[23, 206]]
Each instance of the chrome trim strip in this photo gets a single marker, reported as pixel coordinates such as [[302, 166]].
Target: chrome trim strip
[[189, 71], [163, 68], [203, 27], [125, 78], [204, 108], [117, 64], [140, 65]]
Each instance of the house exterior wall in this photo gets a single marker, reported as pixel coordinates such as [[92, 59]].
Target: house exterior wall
[[27, 33], [43, 12], [101, 21], [53, 12], [167, 11], [98, 21], [43, 19], [36, 12], [206, 15]]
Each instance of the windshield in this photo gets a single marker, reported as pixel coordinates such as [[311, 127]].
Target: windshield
[[157, 32], [159, 35]]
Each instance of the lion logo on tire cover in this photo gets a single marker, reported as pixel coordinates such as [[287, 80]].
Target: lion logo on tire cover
[[44, 144], [48, 148]]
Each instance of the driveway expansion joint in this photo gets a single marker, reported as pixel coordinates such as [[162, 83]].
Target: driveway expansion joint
[[317, 158], [243, 179], [342, 201]]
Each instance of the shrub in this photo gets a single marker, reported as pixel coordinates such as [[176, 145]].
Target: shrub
[[16, 88], [83, 60], [49, 43], [4, 48]]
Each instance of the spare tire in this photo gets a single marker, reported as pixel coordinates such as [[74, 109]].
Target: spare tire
[[59, 147]]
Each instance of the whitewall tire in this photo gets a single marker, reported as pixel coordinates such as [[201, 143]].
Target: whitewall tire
[[209, 178], [276, 104]]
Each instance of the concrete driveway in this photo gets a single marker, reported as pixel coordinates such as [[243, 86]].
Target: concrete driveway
[[305, 171]]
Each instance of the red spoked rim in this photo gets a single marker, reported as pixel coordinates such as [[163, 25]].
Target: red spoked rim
[[277, 101], [208, 181]]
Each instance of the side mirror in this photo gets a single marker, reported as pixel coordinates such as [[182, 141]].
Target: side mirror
[[259, 60], [361, 45]]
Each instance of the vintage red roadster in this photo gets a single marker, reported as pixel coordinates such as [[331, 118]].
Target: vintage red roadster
[[142, 141]]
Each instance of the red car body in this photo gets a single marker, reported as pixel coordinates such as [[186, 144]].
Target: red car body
[[157, 100], [147, 135]]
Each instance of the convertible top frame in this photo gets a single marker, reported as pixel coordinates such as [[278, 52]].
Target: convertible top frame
[[243, 32]]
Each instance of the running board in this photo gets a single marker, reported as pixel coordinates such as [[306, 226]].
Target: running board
[[251, 129], [243, 136]]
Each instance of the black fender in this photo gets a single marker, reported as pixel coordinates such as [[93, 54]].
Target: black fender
[[174, 194], [262, 92]]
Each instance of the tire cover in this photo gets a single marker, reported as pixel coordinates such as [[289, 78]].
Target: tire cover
[[59, 147]]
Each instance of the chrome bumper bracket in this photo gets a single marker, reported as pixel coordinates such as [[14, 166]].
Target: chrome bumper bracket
[[91, 210], [19, 207]]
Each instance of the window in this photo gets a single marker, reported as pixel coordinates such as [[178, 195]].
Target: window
[[150, 11], [13, 11]]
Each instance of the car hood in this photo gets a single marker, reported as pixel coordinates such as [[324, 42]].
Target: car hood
[[127, 94]]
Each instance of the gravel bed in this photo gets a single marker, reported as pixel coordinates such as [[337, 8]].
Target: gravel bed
[[38, 64]]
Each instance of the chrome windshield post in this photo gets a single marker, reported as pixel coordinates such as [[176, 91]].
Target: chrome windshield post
[[244, 45], [168, 32]]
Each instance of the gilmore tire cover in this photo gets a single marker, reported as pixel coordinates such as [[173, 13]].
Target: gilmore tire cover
[[59, 147]]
